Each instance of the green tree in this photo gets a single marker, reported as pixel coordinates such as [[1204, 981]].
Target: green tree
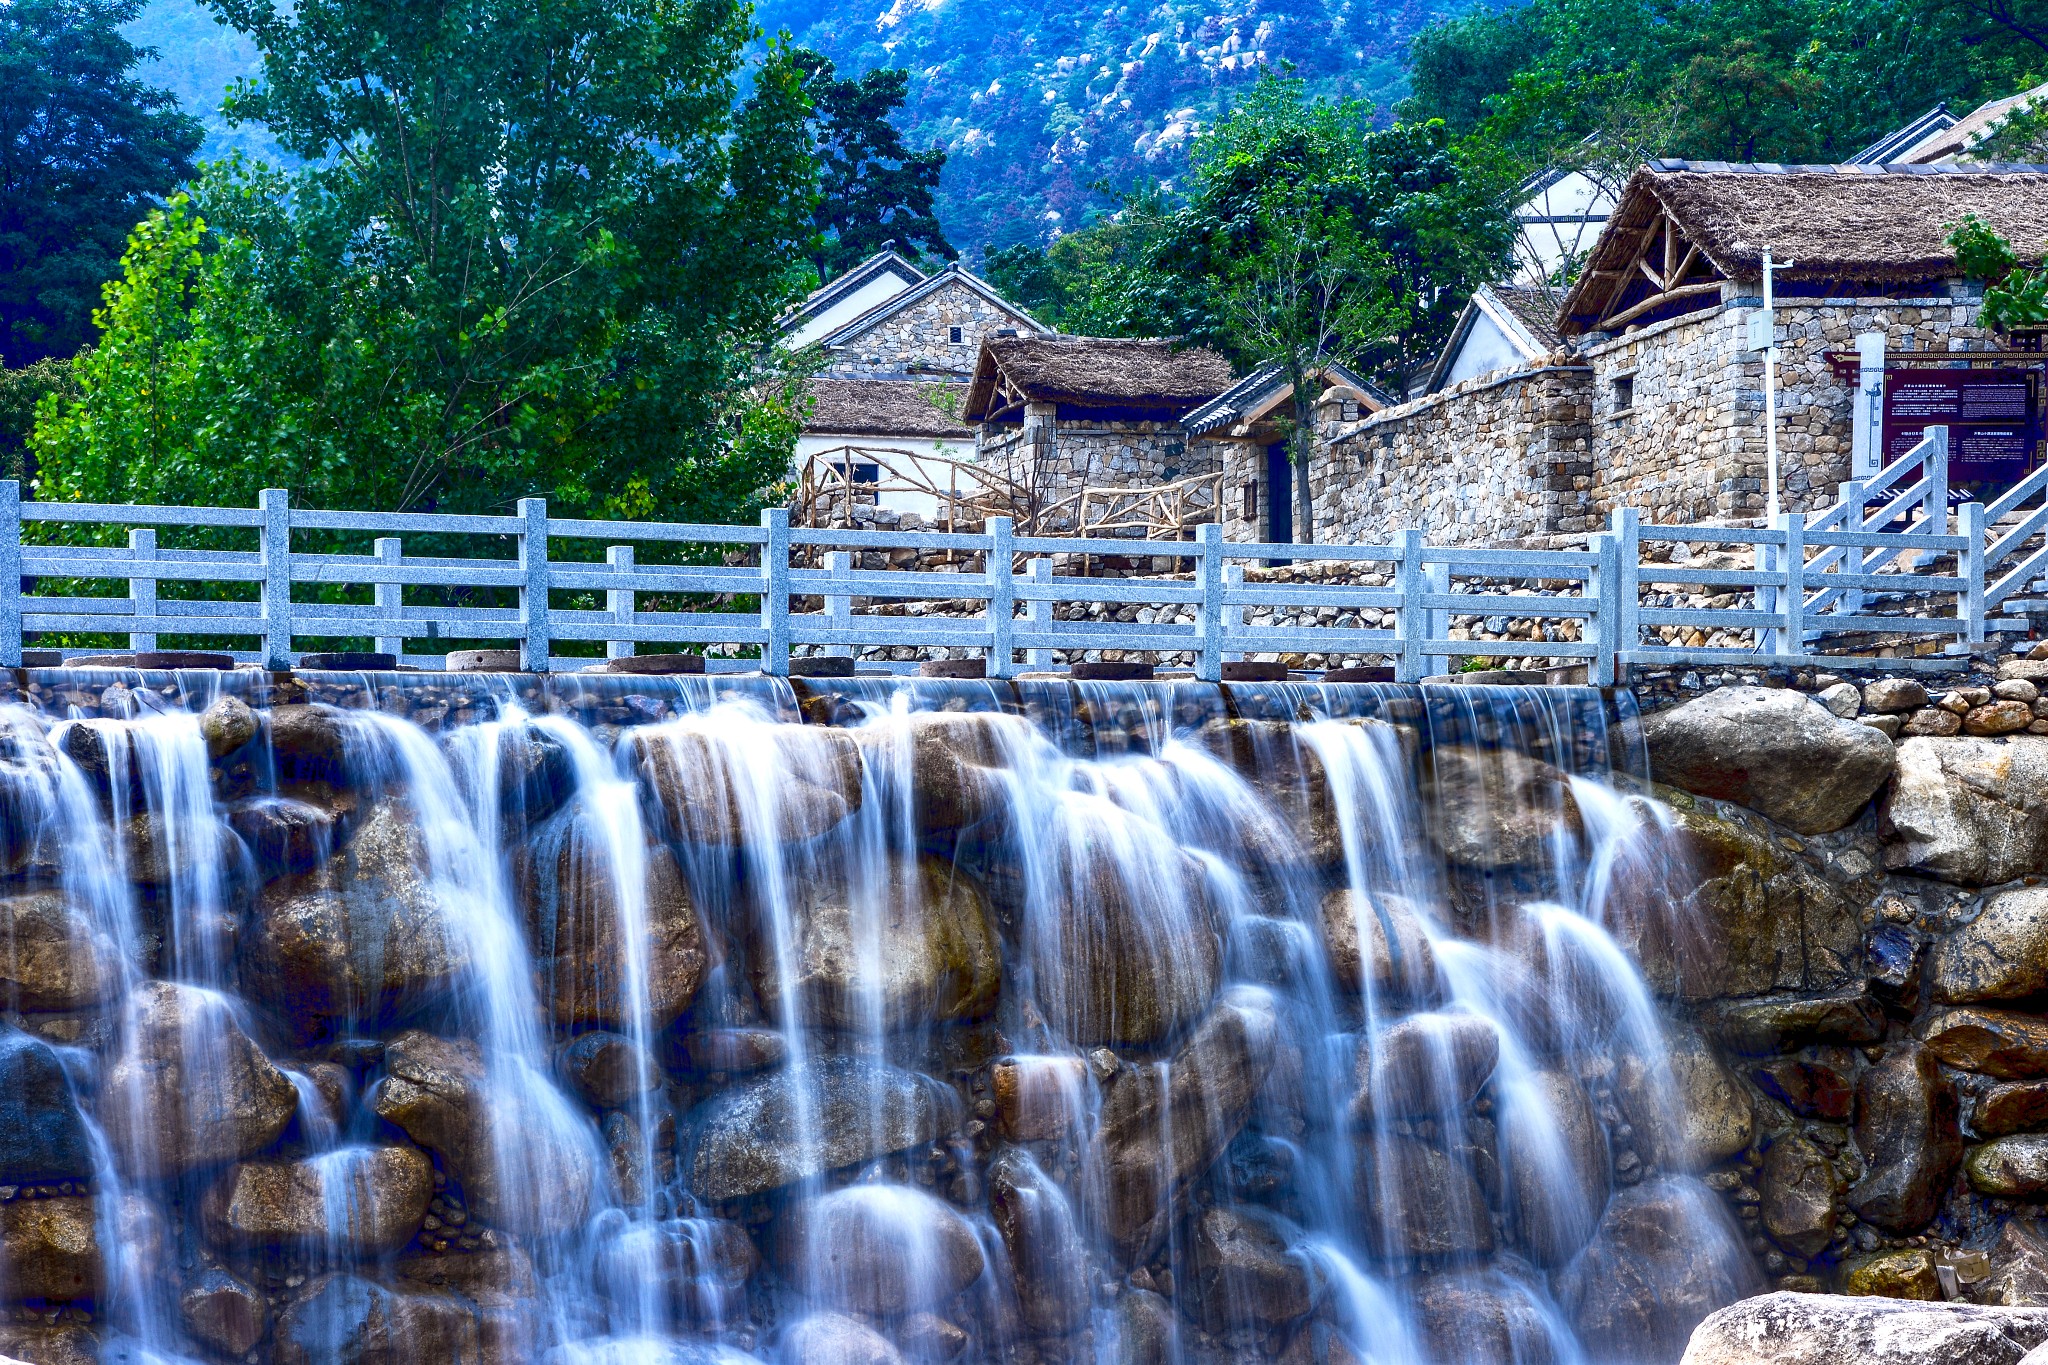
[[535, 250], [85, 149], [872, 188], [2014, 296]]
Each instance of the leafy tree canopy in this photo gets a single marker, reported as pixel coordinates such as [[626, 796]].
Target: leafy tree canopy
[[872, 188], [536, 249], [85, 149]]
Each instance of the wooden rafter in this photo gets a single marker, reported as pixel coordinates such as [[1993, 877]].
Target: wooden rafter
[[1668, 262]]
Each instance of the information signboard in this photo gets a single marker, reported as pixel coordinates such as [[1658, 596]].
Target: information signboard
[[1992, 415]]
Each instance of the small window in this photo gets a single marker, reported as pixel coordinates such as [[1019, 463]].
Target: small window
[[1251, 501], [1624, 393], [954, 335]]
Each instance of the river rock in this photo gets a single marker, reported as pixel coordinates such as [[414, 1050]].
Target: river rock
[[349, 1318], [49, 1250], [227, 725], [1904, 1274], [308, 743], [922, 950], [1775, 750], [1692, 1115], [1048, 1261], [1758, 1028], [1658, 1264], [281, 834], [1763, 920], [2000, 955], [1239, 1268], [1124, 954], [2013, 1107], [580, 927], [1495, 808], [2019, 1269], [2010, 1167], [836, 1339], [1156, 1134], [363, 937], [1423, 1065], [1890, 696], [703, 1263], [702, 786], [524, 1160], [1557, 1162], [1812, 1090], [747, 1138], [735, 1050], [42, 1134], [2002, 1043], [1825, 1329], [1972, 811], [1145, 1329], [536, 775], [1397, 968], [1911, 1143], [1422, 1202], [608, 1069], [189, 1088], [1800, 1196], [1040, 1098], [366, 1200], [877, 1249], [51, 955], [1482, 1317], [225, 1312]]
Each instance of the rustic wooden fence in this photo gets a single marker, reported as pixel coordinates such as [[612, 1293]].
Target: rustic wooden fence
[[1884, 560]]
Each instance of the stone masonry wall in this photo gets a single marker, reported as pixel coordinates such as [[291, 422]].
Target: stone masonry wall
[[1094, 453], [918, 340]]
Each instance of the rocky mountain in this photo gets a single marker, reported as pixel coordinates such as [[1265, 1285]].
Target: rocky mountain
[[1045, 109]]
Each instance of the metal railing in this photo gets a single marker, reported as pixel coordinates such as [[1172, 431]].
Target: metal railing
[[1595, 594]]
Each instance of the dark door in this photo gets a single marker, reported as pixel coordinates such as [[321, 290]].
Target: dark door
[[1279, 496]]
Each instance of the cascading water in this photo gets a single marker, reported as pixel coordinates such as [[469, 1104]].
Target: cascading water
[[614, 1021]]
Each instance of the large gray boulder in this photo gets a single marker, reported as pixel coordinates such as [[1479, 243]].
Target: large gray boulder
[[1972, 811], [749, 1139], [877, 1249], [1907, 1130], [54, 957], [368, 1200], [1829, 1329], [1662, 1259], [1495, 808], [2000, 955], [1777, 751]]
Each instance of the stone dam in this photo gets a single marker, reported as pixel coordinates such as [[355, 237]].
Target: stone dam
[[383, 1018]]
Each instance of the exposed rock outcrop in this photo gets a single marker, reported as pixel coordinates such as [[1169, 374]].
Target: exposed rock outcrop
[[1774, 750]]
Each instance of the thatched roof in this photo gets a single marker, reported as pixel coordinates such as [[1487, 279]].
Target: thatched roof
[[1863, 223], [1139, 377], [886, 407]]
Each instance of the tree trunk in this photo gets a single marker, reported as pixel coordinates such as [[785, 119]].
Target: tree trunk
[[1303, 440]]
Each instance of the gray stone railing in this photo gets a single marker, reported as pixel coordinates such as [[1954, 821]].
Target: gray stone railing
[[1813, 579]]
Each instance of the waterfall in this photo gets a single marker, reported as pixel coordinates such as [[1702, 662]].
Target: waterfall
[[623, 1021]]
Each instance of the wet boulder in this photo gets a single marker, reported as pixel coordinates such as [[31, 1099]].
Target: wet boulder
[[42, 1133], [525, 1160], [2011, 1107], [1557, 1160], [350, 1318], [2004, 1043], [877, 1249], [1239, 1268], [1759, 1028], [749, 1139], [1689, 1114], [775, 785], [1662, 1260], [1906, 1129], [52, 957], [365, 936], [1971, 811], [1483, 1317], [1826, 1329], [739, 1051], [1496, 808], [2002, 954], [282, 835], [916, 948], [952, 763], [1421, 1201], [1812, 1090], [1144, 1327], [1800, 1196], [225, 1312], [1287, 766], [1425, 1064], [367, 1200], [1048, 1261], [1380, 947], [2013, 1167], [309, 743], [227, 725], [1903, 1274], [703, 1264], [1775, 750], [1040, 1098], [189, 1088], [607, 1069], [1158, 1133], [1125, 949], [536, 775], [589, 932], [836, 1339], [49, 1250]]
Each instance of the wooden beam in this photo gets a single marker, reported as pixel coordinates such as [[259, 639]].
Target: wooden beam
[[1634, 311]]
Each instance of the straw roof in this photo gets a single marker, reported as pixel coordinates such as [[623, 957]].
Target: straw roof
[[1130, 375], [886, 407], [1874, 223]]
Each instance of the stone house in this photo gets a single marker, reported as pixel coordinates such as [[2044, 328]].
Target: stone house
[[1249, 421], [1650, 397], [1057, 414]]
